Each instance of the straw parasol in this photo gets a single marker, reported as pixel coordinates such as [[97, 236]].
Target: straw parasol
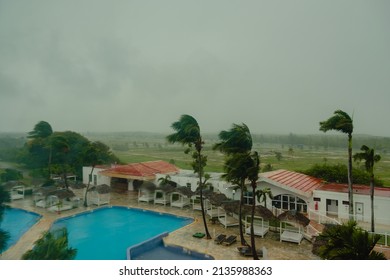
[[166, 188], [294, 216], [101, 189], [77, 185], [64, 194], [147, 185], [233, 206], [186, 191], [13, 183], [217, 199]]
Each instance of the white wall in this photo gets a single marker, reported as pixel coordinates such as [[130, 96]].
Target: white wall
[[381, 206], [100, 178]]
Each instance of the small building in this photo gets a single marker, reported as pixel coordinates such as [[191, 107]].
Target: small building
[[128, 176]]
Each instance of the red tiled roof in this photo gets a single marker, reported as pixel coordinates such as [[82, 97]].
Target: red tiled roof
[[141, 170], [294, 180], [357, 189]]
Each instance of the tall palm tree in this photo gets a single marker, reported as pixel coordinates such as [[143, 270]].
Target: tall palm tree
[[253, 176], [370, 158], [93, 156], [241, 164], [187, 132], [235, 144], [342, 122], [41, 130], [61, 147]]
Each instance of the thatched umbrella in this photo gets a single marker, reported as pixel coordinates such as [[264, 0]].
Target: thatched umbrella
[[11, 184], [294, 216], [77, 185], [64, 194], [166, 188], [218, 199], [260, 211], [186, 191], [147, 185], [231, 206], [46, 191], [101, 189]]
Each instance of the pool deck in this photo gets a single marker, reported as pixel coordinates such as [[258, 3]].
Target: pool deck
[[183, 237]]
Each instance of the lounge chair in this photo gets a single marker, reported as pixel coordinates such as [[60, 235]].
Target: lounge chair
[[230, 240], [220, 238], [247, 251]]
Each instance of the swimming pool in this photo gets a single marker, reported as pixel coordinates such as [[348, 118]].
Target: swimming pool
[[16, 222], [106, 233], [156, 249]]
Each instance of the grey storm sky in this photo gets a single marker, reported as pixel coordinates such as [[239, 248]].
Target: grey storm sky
[[277, 66]]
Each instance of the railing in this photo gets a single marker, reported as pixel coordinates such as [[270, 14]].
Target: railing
[[385, 238], [322, 219]]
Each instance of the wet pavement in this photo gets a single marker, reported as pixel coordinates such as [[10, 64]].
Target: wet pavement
[[276, 250]]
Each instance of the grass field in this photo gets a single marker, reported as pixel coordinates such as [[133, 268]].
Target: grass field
[[295, 159]]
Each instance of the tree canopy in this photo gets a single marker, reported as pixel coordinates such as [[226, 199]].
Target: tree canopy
[[59, 152]]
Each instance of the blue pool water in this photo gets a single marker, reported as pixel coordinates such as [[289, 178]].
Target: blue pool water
[[16, 222], [106, 233], [156, 249]]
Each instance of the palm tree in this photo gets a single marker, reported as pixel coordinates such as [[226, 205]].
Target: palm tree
[[61, 147], [263, 194], [41, 130], [347, 242], [241, 164], [370, 158], [342, 122], [188, 133], [235, 144], [253, 176], [51, 246], [93, 156]]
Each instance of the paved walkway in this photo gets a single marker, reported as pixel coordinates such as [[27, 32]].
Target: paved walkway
[[183, 237]]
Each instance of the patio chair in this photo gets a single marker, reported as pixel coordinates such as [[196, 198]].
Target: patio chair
[[220, 238], [247, 251], [230, 240]]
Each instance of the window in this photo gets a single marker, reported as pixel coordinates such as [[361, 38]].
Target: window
[[248, 198], [289, 202]]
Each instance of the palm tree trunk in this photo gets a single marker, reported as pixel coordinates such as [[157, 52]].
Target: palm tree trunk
[[243, 241], [87, 188], [350, 188], [253, 242], [200, 172]]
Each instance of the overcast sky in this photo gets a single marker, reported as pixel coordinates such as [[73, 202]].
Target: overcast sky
[[277, 66]]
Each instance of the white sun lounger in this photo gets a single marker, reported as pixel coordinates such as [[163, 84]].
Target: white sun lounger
[[179, 200], [291, 234]]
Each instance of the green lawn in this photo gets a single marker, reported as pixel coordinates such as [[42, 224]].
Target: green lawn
[[296, 160]]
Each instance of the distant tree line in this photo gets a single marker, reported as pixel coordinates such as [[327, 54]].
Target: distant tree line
[[337, 173], [327, 141], [49, 152]]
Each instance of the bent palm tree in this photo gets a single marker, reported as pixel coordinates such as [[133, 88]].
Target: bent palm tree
[[253, 176], [188, 133], [342, 122], [235, 143], [370, 158]]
